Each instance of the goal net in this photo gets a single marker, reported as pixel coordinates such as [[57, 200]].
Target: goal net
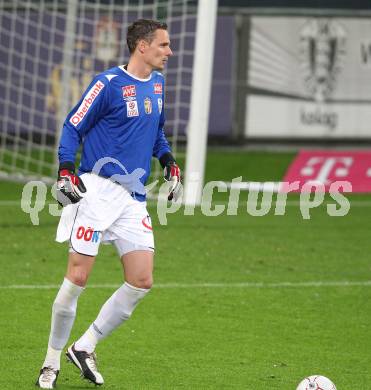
[[49, 52]]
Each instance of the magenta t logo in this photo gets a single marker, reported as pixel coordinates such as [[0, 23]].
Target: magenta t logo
[[328, 167], [324, 167]]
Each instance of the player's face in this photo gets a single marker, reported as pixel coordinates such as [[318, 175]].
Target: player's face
[[158, 51]]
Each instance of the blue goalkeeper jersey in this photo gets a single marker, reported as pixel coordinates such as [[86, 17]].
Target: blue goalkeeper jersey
[[119, 121]]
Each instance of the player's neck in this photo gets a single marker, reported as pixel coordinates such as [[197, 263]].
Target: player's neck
[[139, 68]]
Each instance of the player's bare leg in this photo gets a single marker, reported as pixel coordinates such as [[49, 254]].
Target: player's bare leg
[[138, 267], [79, 267], [63, 316]]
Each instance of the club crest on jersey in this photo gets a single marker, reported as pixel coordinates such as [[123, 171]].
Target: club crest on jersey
[[132, 108], [147, 105], [157, 88], [128, 91], [159, 102]]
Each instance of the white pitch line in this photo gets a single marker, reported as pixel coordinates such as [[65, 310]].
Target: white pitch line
[[343, 283], [289, 203]]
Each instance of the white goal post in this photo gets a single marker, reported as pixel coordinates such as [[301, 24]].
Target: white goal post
[[200, 102], [51, 49]]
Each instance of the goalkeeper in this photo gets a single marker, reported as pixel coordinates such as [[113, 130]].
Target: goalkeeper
[[119, 122]]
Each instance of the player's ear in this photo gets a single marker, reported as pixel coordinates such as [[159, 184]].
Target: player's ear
[[142, 45]]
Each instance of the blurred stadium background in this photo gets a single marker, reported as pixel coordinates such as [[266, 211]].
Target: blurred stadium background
[[241, 302]]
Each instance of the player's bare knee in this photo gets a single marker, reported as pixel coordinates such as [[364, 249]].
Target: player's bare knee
[[78, 277], [144, 282]]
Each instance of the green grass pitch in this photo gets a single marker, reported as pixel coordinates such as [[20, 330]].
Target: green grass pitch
[[233, 305]]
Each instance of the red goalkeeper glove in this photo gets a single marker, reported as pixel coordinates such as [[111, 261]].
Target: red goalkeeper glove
[[70, 187], [172, 174]]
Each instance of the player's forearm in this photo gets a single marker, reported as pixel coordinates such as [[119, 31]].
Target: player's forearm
[[69, 144], [161, 147]]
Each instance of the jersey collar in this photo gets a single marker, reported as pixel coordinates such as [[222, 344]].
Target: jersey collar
[[122, 67]]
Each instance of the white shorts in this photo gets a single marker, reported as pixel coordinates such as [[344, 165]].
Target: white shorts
[[106, 214]]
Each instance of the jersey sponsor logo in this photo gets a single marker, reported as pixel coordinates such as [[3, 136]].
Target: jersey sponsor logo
[[128, 91], [88, 234], [157, 88], [84, 107], [147, 223], [159, 102], [147, 105], [132, 108]]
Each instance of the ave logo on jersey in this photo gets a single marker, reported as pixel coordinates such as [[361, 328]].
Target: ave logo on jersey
[[147, 105], [159, 102], [157, 88], [132, 108], [128, 91], [87, 102]]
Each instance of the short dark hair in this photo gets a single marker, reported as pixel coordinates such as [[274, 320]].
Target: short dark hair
[[142, 29]]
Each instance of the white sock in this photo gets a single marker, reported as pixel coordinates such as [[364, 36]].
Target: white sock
[[53, 358], [114, 312], [63, 316]]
